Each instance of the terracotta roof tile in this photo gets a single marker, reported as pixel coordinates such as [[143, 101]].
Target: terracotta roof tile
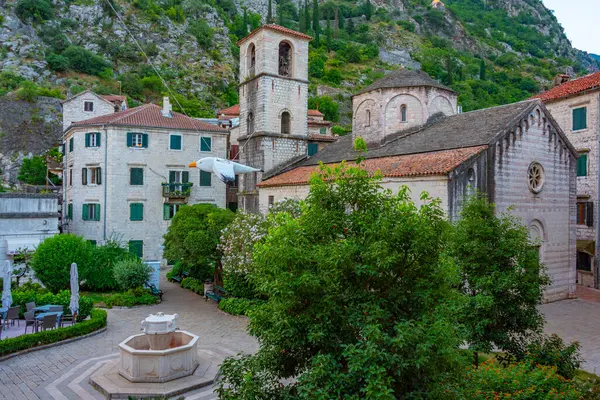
[[411, 165], [114, 97], [570, 88], [315, 113], [233, 110], [318, 123], [276, 28], [322, 138], [149, 115]]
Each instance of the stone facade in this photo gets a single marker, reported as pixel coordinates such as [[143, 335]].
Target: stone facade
[[115, 194], [74, 108], [26, 219], [586, 142], [265, 96], [378, 113]]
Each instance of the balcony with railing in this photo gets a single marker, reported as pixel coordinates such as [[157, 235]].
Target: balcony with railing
[[176, 190]]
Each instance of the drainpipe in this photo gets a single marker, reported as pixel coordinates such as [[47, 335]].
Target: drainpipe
[[597, 216], [105, 175]]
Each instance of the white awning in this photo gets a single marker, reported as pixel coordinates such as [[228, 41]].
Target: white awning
[[14, 245]]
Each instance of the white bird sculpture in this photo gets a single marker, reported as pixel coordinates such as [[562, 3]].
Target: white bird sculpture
[[226, 170]]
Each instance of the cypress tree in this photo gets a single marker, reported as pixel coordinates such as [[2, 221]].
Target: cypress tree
[[245, 29], [301, 21], [306, 16], [482, 72], [270, 14], [449, 71], [336, 24], [328, 37], [368, 10], [350, 26], [316, 27]]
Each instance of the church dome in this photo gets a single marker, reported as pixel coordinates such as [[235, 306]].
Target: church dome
[[404, 78]]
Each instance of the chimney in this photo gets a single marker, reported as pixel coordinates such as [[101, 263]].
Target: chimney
[[166, 110], [560, 79]]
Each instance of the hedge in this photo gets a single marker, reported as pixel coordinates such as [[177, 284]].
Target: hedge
[[194, 285], [42, 297], [130, 298], [13, 345], [237, 306]]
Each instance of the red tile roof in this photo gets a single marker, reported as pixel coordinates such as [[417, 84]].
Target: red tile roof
[[322, 138], [321, 123], [411, 165], [150, 115], [315, 113], [570, 88], [276, 28], [113, 97], [233, 110]]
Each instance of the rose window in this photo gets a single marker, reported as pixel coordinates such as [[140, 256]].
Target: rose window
[[536, 177]]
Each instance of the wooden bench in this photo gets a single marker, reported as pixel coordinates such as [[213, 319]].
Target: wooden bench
[[180, 277], [154, 290], [216, 294]]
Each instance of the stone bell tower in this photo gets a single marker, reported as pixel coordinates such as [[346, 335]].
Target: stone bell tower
[[273, 104]]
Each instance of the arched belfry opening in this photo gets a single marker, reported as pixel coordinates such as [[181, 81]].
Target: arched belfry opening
[[251, 60], [250, 122], [285, 59]]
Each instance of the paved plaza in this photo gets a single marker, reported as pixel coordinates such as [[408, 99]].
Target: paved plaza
[[62, 372]]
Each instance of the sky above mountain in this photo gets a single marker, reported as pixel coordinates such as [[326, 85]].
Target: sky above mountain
[[580, 20]]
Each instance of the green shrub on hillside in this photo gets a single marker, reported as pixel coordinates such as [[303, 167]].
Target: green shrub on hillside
[[36, 10], [82, 60]]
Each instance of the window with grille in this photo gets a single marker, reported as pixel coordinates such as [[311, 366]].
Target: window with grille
[[88, 106], [585, 213], [137, 140], [271, 200], [285, 122]]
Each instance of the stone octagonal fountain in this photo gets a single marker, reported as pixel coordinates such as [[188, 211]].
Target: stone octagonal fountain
[[161, 362]]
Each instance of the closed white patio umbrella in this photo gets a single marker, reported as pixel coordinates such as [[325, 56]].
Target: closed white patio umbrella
[[74, 304], [7, 276]]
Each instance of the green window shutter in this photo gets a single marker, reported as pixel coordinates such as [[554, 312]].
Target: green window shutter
[[136, 247], [175, 142], [98, 139], [136, 212], [70, 211], [84, 213], [171, 176], [87, 140], [205, 178], [84, 176], [185, 176], [205, 144], [136, 176], [582, 165], [323, 131], [129, 139], [166, 211], [145, 140], [313, 148], [98, 176], [579, 118], [71, 143], [97, 216]]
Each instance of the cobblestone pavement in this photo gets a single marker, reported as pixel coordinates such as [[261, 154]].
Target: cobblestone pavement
[[577, 320], [26, 376]]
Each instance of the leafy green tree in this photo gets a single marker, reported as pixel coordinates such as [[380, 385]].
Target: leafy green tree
[[358, 299], [193, 237], [99, 277], [501, 276], [52, 260], [33, 171], [36, 10], [57, 62], [327, 106], [85, 61]]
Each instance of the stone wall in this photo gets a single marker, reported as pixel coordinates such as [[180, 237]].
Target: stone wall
[[585, 141], [377, 114], [115, 194], [549, 214], [73, 109]]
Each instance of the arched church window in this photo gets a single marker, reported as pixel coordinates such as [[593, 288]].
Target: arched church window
[[252, 60], [285, 122], [250, 123], [368, 118], [403, 113], [285, 59]]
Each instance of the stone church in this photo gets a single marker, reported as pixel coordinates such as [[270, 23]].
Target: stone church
[[517, 154]]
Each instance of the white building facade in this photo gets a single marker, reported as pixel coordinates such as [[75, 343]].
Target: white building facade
[[126, 175]]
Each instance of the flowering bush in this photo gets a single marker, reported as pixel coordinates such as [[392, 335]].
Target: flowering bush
[[521, 381]]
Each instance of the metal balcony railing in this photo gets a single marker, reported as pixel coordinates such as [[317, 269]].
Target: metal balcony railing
[[176, 190]]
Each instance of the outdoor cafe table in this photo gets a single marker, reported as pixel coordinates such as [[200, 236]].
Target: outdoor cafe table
[[45, 308], [40, 317]]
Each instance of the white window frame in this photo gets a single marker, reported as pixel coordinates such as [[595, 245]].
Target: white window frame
[[85, 103], [211, 144], [137, 140], [175, 134], [91, 175]]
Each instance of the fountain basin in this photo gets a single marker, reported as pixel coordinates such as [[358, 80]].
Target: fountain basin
[[138, 363]]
